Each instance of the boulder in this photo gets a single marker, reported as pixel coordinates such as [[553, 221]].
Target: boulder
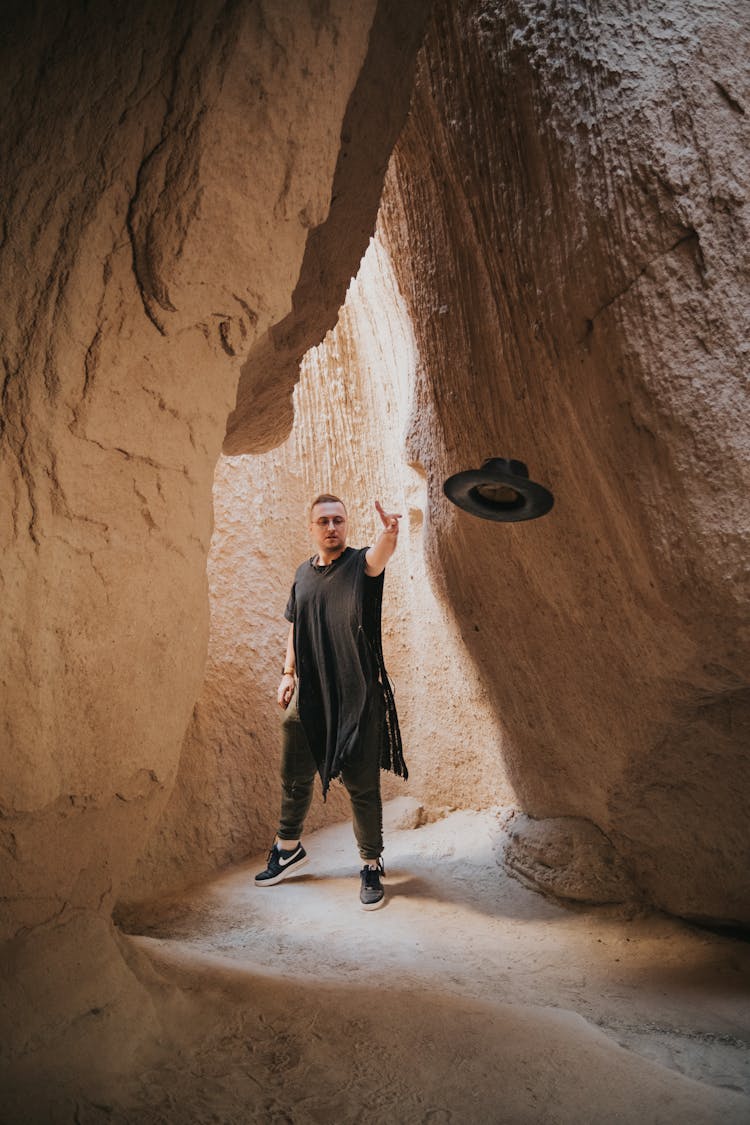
[[567, 858]]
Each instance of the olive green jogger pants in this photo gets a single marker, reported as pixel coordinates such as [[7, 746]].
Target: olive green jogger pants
[[361, 780]]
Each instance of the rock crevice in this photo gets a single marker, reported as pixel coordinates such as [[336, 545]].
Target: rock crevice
[[263, 415]]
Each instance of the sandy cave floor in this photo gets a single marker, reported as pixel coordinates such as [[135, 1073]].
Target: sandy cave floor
[[467, 998]]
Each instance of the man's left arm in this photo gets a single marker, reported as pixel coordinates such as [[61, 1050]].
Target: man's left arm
[[378, 556]]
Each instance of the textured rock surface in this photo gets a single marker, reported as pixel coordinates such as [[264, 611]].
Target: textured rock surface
[[351, 405], [162, 171], [566, 857], [568, 215], [458, 927], [264, 413]]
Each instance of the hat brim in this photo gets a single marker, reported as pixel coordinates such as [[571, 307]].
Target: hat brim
[[532, 499]]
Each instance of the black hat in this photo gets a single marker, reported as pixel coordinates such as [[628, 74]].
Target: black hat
[[500, 490]]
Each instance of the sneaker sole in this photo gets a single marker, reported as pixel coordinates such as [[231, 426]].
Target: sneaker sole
[[291, 870], [373, 905]]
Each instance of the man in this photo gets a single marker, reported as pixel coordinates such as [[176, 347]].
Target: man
[[340, 716]]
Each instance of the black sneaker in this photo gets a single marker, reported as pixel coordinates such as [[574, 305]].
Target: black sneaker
[[280, 864], [371, 893]]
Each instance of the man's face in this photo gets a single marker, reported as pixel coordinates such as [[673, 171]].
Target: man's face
[[328, 528]]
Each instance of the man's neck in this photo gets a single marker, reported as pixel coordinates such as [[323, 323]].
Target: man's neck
[[325, 558]]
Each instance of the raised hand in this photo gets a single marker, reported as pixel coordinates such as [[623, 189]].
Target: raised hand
[[390, 519], [385, 544]]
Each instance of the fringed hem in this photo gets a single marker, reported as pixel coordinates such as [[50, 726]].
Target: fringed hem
[[392, 752]]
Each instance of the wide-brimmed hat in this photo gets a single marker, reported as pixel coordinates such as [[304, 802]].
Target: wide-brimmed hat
[[500, 490]]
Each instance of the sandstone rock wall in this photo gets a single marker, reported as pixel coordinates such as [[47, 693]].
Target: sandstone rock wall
[[263, 413], [163, 168], [568, 216], [568, 219], [352, 407]]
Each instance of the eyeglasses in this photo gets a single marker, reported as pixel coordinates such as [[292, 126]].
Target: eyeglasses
[[335, 520]]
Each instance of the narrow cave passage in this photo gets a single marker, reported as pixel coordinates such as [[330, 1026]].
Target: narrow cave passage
[[478, 976], [353, 407], [564, 225], [474, 992]]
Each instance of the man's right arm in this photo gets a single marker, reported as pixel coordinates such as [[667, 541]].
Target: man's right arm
[[286, 687]]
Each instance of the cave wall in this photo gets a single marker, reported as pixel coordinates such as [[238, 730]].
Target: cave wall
[[352, 408], [568, 217], [163, 170]]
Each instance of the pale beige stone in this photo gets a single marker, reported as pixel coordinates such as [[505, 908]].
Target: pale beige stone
[[263, 413], [567, 857], [567, 218], [114, 418], [569, 224], [162, 169], [479, 998]]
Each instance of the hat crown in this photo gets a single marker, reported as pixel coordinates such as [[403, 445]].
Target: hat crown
[[505, 466], [500, 490]]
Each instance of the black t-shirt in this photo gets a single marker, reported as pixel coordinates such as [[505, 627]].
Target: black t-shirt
[[342, 679]]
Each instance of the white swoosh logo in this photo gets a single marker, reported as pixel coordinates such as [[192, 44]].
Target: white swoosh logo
[[286, 862]]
